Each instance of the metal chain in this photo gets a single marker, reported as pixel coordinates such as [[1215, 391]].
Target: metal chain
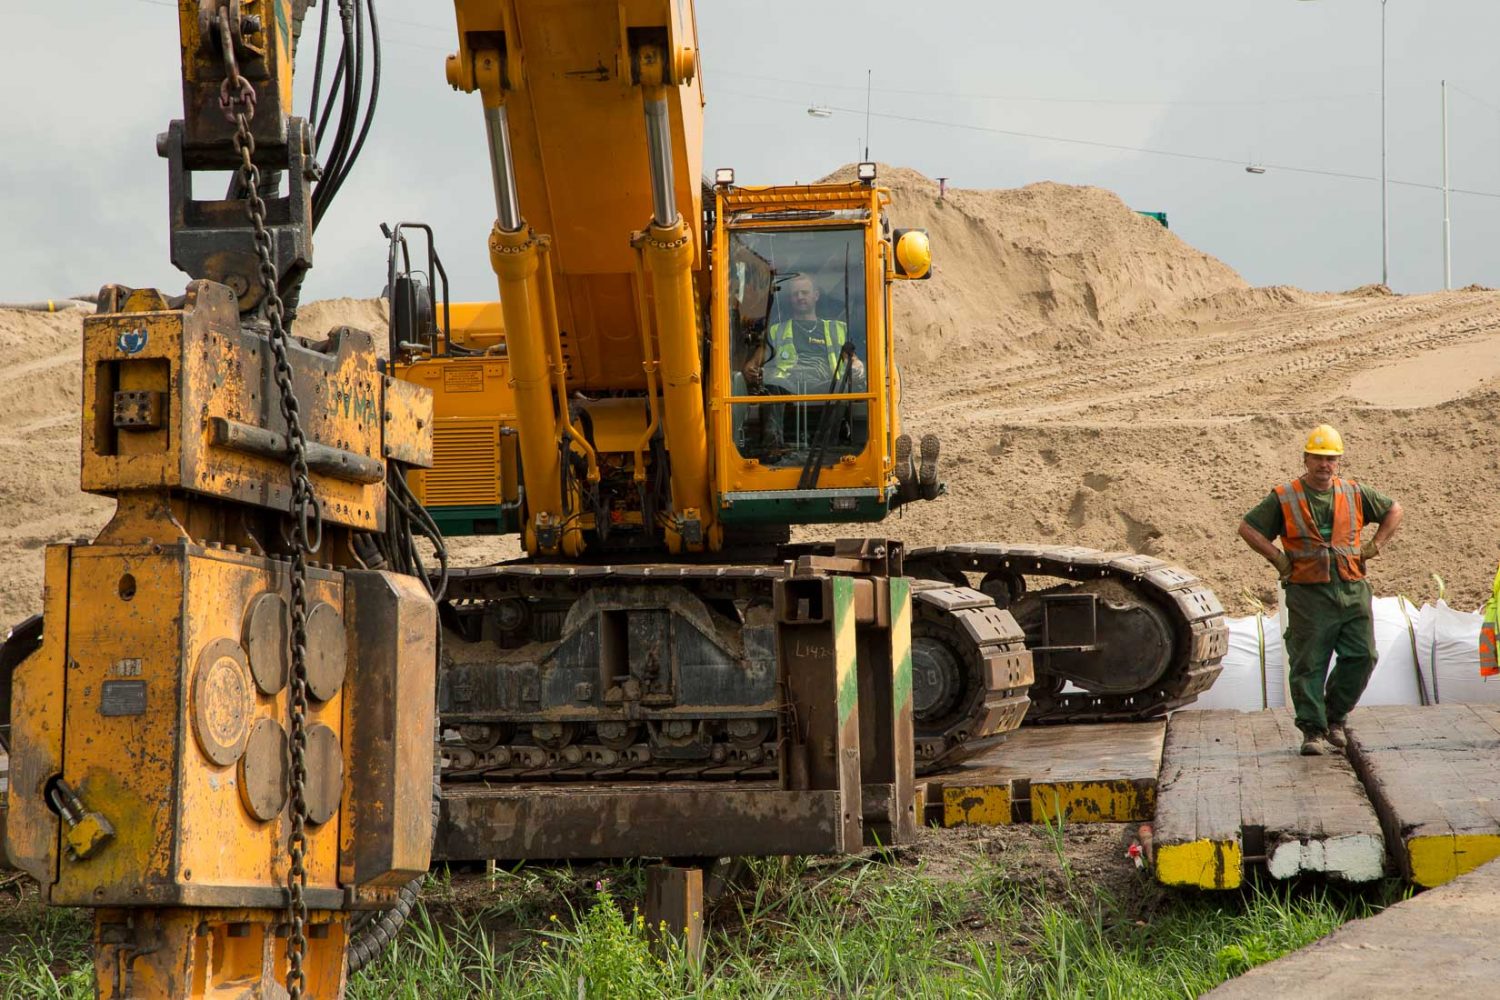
[[237, 98]]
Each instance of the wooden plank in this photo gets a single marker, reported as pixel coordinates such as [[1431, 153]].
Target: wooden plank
[[1235, 790], [1197, 828], [1076, 774], [1439, 943], [1310, 813], [1434, 776]]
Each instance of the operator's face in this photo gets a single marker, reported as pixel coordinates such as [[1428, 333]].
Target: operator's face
[[1320, 469], [804, 298]]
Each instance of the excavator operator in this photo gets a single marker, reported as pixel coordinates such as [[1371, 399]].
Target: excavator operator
[[808, 348], [805, 355]]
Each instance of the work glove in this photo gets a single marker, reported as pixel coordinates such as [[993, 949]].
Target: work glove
[[1283, 564], [1369, 550]]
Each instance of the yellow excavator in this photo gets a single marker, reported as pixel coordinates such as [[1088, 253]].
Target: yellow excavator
[[220, 733], [221, 730], [679, 369]]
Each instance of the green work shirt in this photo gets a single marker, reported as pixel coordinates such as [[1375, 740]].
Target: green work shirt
[[1266, 518]]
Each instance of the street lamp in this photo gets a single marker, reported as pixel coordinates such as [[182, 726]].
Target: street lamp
[[1385, 212]]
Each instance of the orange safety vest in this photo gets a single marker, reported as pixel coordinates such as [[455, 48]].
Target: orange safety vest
[[1489, 666], [1303, 542]]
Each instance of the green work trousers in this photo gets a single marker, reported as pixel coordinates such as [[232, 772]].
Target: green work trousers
[[1324, 619]]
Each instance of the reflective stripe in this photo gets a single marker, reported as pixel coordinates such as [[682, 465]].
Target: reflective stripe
[[783, 338], [1301, 512], [1313, 557]]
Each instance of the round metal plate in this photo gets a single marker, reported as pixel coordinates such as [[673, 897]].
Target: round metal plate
[[937, 678], [263, 770], [325, 773], [265, 641], [327, 651], [222, 701]]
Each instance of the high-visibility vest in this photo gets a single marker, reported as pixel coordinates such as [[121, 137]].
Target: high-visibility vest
[[1489, 666], [1304, 543], [784, 341]]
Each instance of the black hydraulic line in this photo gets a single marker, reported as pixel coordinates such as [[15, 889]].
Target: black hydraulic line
[[312, 114], [348, 151], [347, 125], [345, 81], [333, 88], [364, 128]]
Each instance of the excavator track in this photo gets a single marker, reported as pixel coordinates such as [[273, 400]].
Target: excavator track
[[984, 643], [970, 674], [1159, 633]]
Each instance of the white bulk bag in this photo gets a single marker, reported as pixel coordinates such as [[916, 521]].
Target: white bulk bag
[[1239, 682], [1448, 648], [1394, 681]]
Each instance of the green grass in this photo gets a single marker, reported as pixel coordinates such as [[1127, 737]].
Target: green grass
[[799, 928], [44, 953], [863, 929]]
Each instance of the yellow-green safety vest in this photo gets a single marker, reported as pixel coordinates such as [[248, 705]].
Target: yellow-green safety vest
[[783, 340]]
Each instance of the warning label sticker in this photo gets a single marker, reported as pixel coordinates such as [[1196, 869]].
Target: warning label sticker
[[463, 378]]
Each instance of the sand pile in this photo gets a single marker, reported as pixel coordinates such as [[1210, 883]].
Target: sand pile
[[39, 497], [1094, 379], [1097, 381], [1044, 267]]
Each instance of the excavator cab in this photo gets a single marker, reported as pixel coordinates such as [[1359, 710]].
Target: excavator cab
[[804, 381]]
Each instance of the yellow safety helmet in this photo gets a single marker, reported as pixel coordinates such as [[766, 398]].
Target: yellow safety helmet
[[1324, 440], [913, 254]]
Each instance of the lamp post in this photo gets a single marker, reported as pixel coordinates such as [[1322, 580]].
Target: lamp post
[[1385, 209], [1385, 212]]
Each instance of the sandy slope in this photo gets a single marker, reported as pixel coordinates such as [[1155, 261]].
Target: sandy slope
[[1156, 432], [1095, 380]]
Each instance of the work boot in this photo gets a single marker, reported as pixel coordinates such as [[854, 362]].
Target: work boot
[[927, 468], [1316, 745], [1337, 736], [906, 473]]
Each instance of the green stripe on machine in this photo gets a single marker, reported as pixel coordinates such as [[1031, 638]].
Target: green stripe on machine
[[816, 506], [844, 646], [479, 519], [900, 641]]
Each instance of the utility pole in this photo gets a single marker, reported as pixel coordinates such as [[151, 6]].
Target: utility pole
[[1385, 209], [1447, 203]]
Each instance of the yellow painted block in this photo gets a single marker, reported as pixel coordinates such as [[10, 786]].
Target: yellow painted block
[[1203, 864], [1435, 860], [1119, 801], [976, 805]]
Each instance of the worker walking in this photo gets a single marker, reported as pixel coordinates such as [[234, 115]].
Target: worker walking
[[1318, 517]]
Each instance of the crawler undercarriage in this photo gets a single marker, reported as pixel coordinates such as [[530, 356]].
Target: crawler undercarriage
[[668, 672]]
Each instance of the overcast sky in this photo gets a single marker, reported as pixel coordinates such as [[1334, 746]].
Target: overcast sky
[[1280, 83]]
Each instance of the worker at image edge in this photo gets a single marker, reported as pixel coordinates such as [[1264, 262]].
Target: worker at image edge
[[1319, 517], [1488, 665]]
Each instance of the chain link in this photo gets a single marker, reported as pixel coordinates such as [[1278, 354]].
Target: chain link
[[237, 98]]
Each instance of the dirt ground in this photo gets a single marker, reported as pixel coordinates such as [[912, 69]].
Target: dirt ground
[[1094, 379]]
